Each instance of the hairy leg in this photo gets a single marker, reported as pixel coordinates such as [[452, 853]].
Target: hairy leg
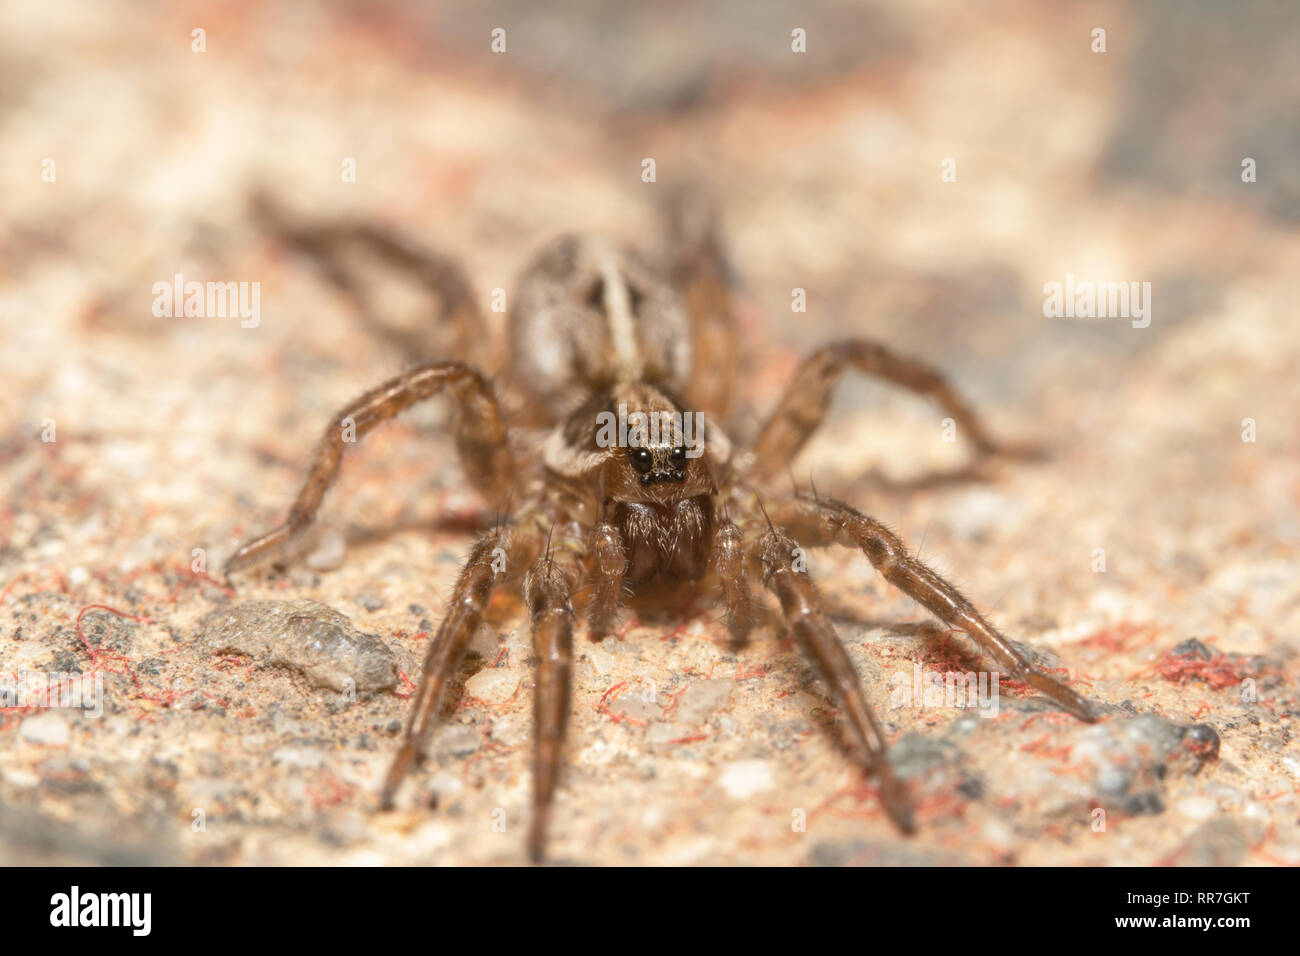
[[480, 438], [729, 559], [820, 521], [547, 589], [804, 404], [473, 589], [801, 603], [700, 275], [330, 244]]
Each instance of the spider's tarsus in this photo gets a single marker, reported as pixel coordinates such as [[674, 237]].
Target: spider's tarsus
[[1025, 450], [387, 795], [1065, 698], [537, 837], [897, 804]]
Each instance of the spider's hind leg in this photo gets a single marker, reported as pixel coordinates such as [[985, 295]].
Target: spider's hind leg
[[332, 245], [822, 521], [700, 274]]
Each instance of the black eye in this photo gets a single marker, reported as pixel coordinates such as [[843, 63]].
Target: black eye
[[641, 459], [679, 454]]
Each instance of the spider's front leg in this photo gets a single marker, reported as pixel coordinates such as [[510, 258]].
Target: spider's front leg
[[472, 592], [479, 432], [548, 587], [548, 584], [804, 404], [822, 521], [801, 603]]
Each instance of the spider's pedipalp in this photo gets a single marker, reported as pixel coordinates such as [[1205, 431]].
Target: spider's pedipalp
[[777, 555], [729, 559], [609, 565], [827, 521]]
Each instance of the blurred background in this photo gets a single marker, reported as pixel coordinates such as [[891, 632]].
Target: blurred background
[[135, 133]]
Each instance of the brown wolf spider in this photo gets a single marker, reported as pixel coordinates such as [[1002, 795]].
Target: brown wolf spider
[[595, 329]]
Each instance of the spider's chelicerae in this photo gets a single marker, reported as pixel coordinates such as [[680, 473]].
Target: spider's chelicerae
[[603, 440]]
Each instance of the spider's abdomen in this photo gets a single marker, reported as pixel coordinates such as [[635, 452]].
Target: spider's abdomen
[[588, 314], [668, 540]]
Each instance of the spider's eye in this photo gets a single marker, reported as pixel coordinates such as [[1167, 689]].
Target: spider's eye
[[641, 459], [679, 454]]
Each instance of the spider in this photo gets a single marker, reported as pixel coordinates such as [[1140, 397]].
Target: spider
[[597, 336]]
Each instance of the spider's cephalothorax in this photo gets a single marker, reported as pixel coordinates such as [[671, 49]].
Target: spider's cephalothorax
[[650, 463], [608, 451]]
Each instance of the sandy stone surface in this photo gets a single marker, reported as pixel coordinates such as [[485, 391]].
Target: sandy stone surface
[[1150, 556]]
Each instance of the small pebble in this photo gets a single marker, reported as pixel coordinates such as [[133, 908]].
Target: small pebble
[[1197, 808], [21, 778], [510, 729], [602, 661], [306, 758], [329, 550], [745, 778], [308, 637], [48, 728], [455, 740], [495, 685], [972, 515], [703, 698]]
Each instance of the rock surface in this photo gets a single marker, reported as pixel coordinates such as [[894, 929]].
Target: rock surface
[[1149, 555]]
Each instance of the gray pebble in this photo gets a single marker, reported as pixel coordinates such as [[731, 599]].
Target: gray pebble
[[315, 640], [46, 728], [703, 698]]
